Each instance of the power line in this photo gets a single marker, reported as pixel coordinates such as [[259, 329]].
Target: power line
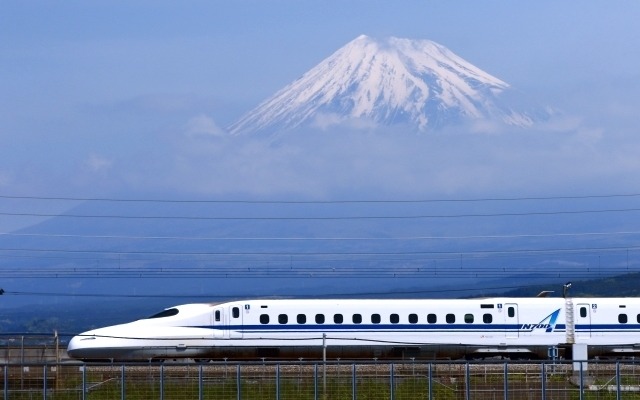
[[326, 274], [288, 258], [324, 253], [393, 238], [345, 218], [253, 296], [241, 201], [250, 261], [428, 267]]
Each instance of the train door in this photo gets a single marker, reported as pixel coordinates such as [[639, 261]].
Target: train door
[[583, 320], [235, 323], [512, 325], [219, 325]]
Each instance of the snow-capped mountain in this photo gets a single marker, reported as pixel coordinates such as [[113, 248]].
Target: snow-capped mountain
[[386, 82]]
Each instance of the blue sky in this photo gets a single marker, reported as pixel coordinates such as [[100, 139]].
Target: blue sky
[[110, 97], [244, 50], [127, 99]]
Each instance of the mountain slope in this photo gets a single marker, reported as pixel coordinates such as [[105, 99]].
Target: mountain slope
[[394, 81]]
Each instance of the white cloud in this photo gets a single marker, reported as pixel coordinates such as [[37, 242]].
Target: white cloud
[[203, 125], [341, 161], [487, 126], [564, 155], [324, 121]]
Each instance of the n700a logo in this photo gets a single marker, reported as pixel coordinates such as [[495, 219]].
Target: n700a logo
[[548, 323]]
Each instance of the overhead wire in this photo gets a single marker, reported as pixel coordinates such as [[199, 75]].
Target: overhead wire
[[337, 238], [385, 201], [251, 296], [323, 218], [323, 253], [279, 256]]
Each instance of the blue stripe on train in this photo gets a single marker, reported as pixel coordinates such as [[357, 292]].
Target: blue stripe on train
[[470, 328]]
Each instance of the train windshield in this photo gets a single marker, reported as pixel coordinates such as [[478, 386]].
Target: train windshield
[[164, 313]]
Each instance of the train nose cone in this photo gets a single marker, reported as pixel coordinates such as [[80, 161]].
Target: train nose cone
[[79, 346], [73, 348]]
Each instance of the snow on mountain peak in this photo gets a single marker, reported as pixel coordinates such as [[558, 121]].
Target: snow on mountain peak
[[384, 82]]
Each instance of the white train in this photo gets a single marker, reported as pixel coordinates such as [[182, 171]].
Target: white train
[[368, 329]]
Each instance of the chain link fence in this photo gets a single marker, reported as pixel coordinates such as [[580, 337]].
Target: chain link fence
[[331, 380]]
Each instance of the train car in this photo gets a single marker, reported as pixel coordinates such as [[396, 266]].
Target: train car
[[372, 329]]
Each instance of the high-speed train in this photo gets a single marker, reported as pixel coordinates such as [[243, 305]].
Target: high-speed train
[[369, 329]]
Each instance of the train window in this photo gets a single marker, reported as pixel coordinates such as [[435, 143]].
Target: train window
[[487, 318], [450, 318], [583, 312], [319, 318], [432, 318], [357, 318], [511, 312], [217, 315], [283, 319], [413, 318], [468, 318], [622, 318], [375, 318], [638, 318], [394, 318], [301, 318], [264, 319], [337, 318], [165, 313], [235, 311]]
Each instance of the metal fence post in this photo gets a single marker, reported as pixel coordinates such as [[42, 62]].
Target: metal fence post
[[277, 381], [6, 381], [618, 380], [44, 382], [161, 381], [353, 381], [391, 383], [84, 381], [238, 387], [430, 381], [506, 380], [200, 394], [467, 378], [581, 381], [315, 381], [123, 391]]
